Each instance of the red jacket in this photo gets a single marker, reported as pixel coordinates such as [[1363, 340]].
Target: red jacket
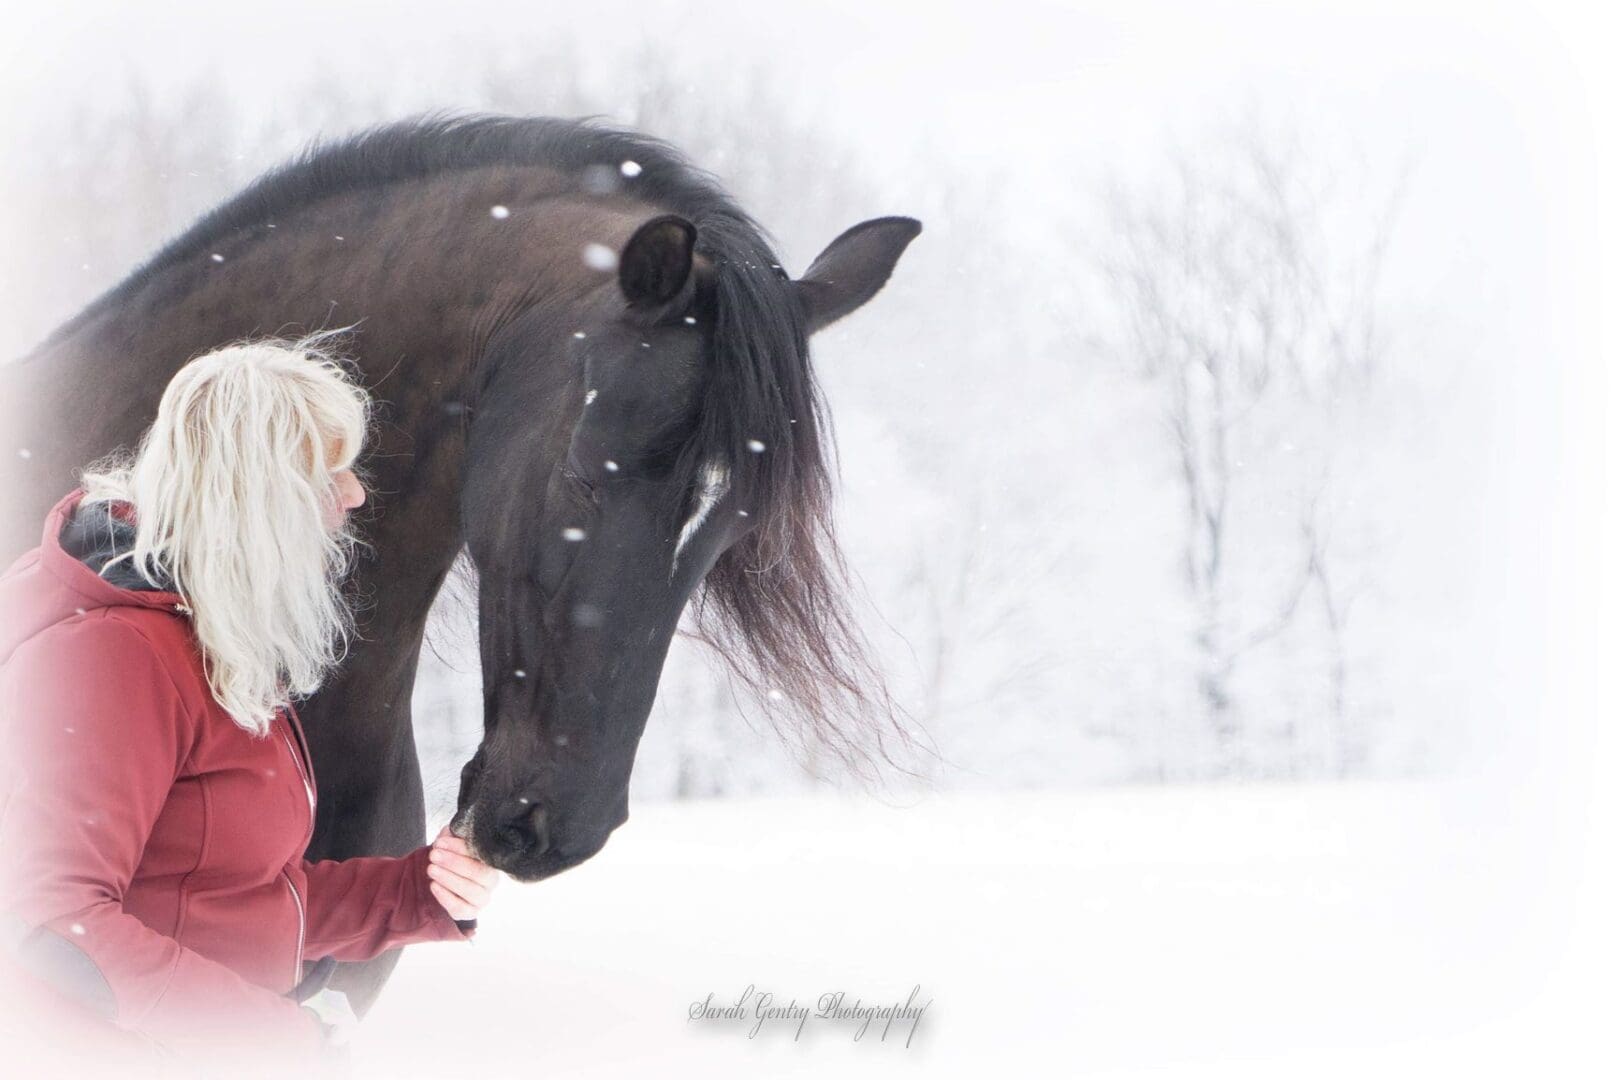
[[142, 826]]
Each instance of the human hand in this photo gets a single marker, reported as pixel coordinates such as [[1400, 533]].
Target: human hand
[[458, 880]]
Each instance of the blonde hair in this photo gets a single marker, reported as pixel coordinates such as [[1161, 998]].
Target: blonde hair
[[231, 486]]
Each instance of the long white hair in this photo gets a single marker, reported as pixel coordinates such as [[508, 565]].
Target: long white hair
[[230, 488]]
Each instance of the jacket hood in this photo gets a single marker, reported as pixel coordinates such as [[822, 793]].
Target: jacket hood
[[95, 533], [51, 583]]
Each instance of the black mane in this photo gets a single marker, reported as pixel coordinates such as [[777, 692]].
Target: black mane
[[439, 143]]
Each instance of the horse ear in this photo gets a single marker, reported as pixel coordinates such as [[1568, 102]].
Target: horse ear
[[657, 260], [853, 268]]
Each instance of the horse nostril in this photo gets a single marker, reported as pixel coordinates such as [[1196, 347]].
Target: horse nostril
[[525, 830]]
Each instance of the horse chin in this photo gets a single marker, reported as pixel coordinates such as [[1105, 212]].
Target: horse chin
[[528, 868]]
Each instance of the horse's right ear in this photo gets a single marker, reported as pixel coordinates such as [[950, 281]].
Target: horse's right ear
[[657, 260]]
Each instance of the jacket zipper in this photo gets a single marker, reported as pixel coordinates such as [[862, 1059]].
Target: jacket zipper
[[298, 901], [298, 763]]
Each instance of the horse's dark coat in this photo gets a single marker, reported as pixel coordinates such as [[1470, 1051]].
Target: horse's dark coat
[[557, 414]]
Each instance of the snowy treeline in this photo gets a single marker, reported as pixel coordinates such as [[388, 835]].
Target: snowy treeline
[[1144, 484]]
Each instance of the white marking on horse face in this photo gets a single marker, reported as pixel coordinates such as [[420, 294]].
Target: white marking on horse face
[[713, 480]]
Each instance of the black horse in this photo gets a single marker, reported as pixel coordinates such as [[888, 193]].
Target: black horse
[[597, 384]]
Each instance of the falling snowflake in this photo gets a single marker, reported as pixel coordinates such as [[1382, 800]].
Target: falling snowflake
[[77, 928], [499, 213], [579, 335], [560, 740], [217, 257], [337, 238], [774, 694], [630, 168], [573, 535], [756, 446], [600, 257], [590, 396], [691, 320], [742, 513], [611, 465], [518, 673]]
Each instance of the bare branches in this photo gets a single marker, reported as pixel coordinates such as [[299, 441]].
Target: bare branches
[[1249, 298]]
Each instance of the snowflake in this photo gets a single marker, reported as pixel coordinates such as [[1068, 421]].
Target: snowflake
[[600, 257], [630, 168], [499, 213], [573, 535]]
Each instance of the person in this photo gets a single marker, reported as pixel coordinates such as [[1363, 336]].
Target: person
[[156, 788]]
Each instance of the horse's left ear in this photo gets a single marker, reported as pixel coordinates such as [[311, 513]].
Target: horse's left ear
[[852, 269], [657, 260]]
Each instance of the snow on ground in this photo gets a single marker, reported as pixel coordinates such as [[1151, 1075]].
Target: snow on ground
[[1279, 930]]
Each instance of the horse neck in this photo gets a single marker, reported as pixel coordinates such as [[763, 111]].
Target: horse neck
[[426, 270]]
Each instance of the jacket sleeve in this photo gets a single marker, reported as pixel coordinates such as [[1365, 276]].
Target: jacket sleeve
[[360, 908], [95, 733]]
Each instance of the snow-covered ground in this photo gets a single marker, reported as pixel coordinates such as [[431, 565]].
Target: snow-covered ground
[[1352, 929]]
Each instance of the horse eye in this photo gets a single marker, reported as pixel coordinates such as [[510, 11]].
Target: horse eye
[[578, 481]]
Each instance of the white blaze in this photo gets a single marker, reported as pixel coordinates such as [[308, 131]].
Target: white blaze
[[713, 480]]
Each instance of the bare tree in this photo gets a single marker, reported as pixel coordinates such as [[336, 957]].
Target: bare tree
[[1250, 299]]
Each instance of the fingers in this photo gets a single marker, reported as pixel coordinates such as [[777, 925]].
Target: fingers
[[458, 879], [448, 842], [471, 893], [474, 889], [465, 865], [454, 906]]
